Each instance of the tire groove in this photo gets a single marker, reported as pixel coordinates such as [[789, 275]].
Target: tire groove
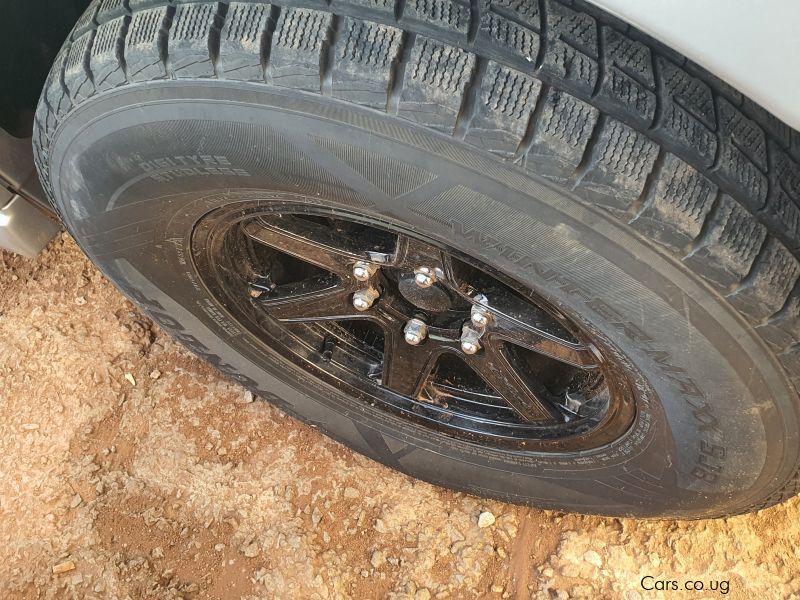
[[543, 33], [533, 121], [705, 228], [587, 159], [163, 39], [327, 56], [266, 44], [397, 78], [469, 105], [650, 182], [214, 36]]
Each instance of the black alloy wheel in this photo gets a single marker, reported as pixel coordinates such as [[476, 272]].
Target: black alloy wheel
[[416, 327]]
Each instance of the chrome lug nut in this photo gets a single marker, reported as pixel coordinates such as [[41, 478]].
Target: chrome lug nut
[[362, 271], [470, 339], [415, 331], [470, 347], [480, 316], [424, 277], [364, 299]]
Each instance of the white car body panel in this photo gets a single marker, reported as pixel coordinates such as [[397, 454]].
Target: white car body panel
[[752, 45]]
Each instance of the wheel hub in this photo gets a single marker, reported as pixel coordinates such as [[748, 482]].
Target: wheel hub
[[433, 335], [433, 298]]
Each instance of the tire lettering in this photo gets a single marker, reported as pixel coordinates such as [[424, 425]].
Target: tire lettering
[[707, 422], [156, 311]]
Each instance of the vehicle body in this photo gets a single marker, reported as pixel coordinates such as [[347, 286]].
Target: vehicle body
[[540, 251]]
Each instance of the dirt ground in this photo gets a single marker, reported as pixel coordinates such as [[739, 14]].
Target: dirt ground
[[134, 470]]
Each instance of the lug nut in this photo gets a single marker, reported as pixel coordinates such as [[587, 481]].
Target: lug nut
[[470, 347], [480, 317], [364, 299], [470, 339], [479, 314], [362, 271], [415, 331], [424, 277]]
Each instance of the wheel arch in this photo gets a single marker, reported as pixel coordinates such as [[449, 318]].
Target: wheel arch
[[755, 51]]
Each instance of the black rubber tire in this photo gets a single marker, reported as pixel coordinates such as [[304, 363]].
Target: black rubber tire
[[646, 198]]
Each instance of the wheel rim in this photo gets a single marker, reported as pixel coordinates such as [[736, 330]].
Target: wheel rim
[[411, 326]]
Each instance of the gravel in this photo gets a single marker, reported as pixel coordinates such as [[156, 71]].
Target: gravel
[[486, 519], [115, 489]]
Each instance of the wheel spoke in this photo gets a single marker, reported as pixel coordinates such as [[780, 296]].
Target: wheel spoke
[[520, 322], [304, 302], [493, 366], [308, 241], [538, 337], [412, 253], [406, 368]]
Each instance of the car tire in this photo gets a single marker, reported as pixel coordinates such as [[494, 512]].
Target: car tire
[[636, 195]]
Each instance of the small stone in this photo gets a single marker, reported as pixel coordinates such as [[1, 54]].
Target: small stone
[[497, 589], [76, 501], [157, 552], [130, 379], [219, 547], [251, 550], [64, 567], [422, 594], [486, 519], [501, 552], [326, 537], [380, 526], [222, 451], [248, 396], [30, 426], [350, 492], [80, 301], [155, 374], [593, 558], [378, 559]]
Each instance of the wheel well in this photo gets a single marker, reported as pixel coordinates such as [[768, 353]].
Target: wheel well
[[33, 32]]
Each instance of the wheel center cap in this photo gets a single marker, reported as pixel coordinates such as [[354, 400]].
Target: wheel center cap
[[434, 298]]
